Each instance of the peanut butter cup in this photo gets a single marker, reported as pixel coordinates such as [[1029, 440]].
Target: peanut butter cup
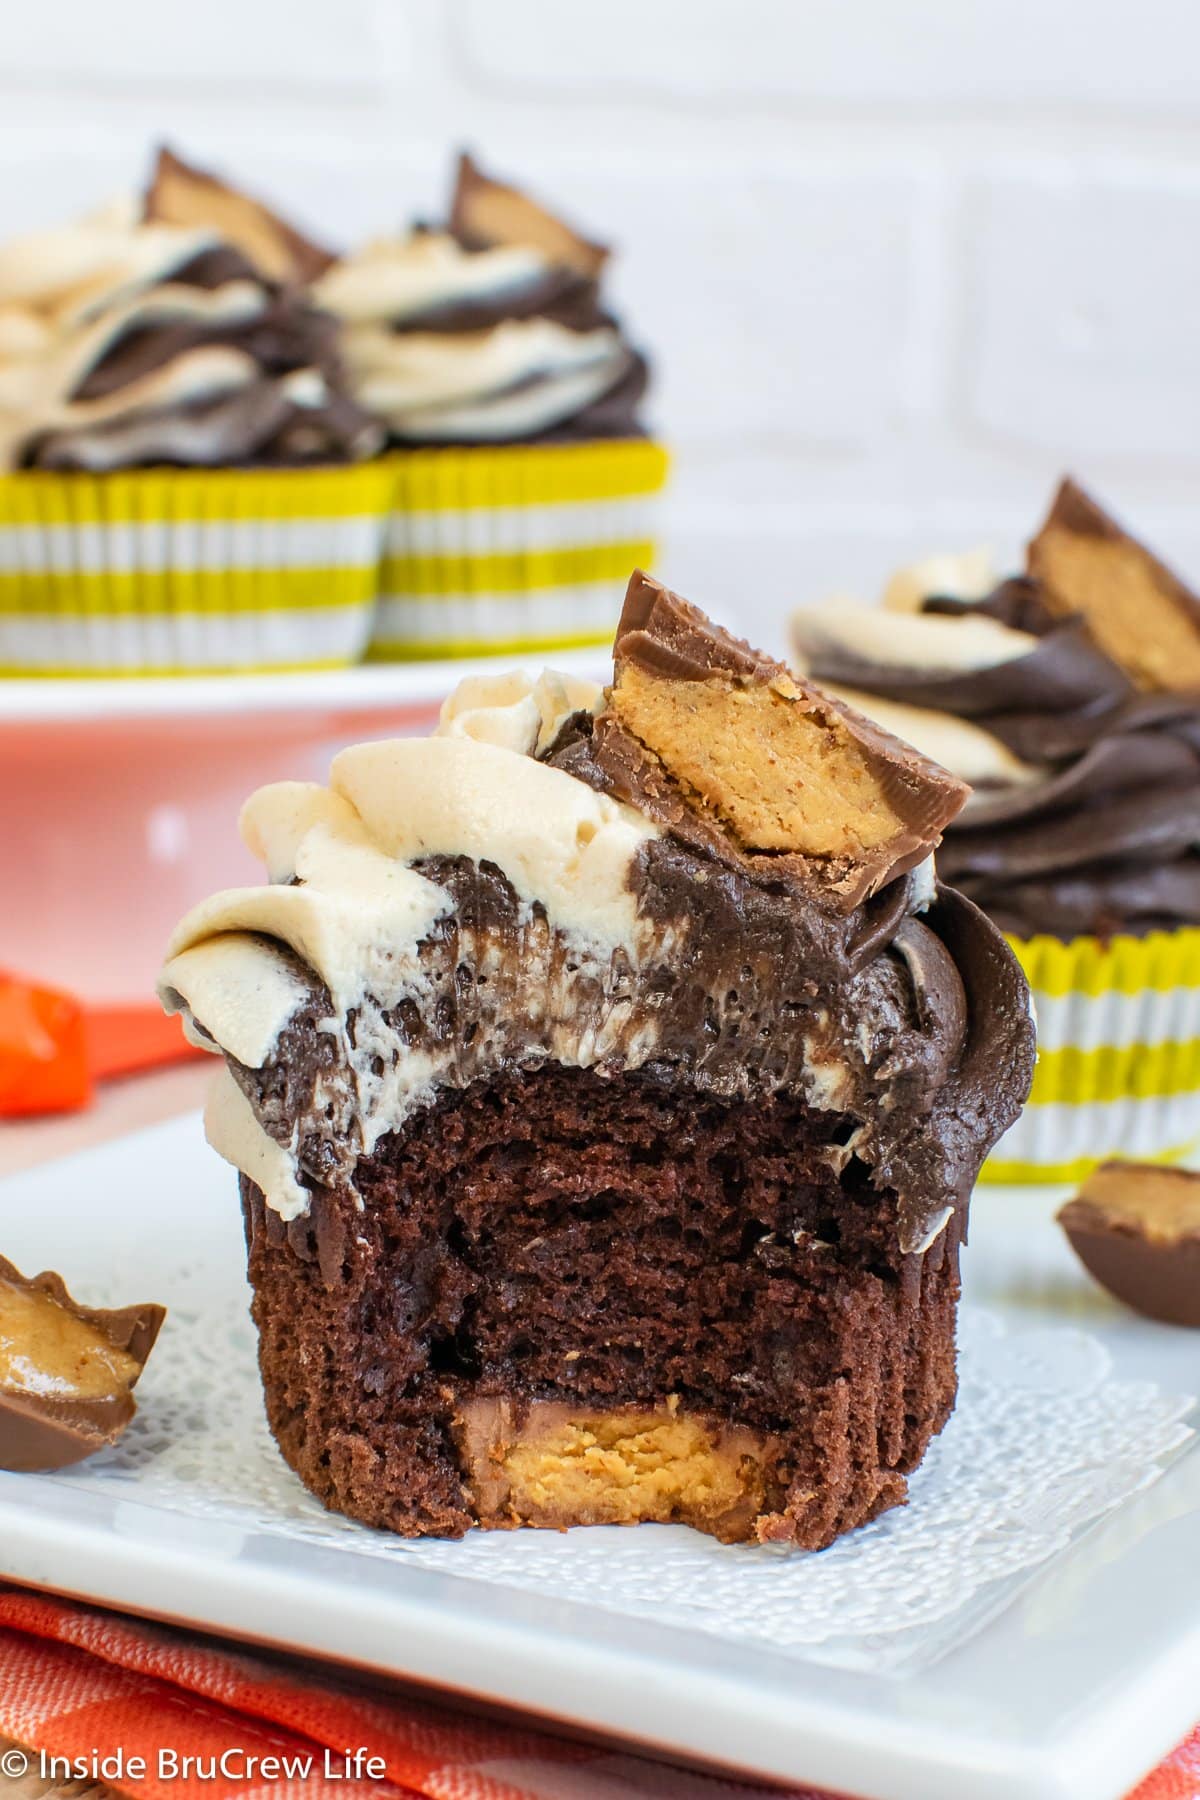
[[1135, 1227], [67, 1372], [181, 194], [1139, 612]]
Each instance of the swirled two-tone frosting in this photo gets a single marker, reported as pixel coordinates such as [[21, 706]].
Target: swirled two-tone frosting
[[490, 331], [539, 884], [126, 341], [1085, 815]]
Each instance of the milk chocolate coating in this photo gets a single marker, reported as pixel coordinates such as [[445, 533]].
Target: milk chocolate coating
[[38, 1432], [485, 211], [1109, 840], [669, 638], [673, 639]]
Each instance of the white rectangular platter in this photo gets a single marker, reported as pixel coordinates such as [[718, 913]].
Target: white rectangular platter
[[1028, 1629]]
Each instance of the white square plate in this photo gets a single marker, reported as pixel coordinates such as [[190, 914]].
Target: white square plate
[[1065, 1681]]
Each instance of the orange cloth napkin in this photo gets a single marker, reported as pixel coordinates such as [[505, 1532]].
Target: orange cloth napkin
[[76, 1681]]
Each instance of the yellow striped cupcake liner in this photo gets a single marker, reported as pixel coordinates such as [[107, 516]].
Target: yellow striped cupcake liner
[[1118, 1070], [519, 549], [188, 571]]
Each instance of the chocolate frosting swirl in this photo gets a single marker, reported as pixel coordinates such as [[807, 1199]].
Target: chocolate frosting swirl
[[1104, 834]]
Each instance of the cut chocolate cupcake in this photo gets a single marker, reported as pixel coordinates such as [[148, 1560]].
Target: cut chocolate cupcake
[[1135, 1227], [608, 1075]]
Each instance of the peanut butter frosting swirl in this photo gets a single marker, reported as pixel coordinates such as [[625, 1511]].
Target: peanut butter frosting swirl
[[126, 342], [489, 331]]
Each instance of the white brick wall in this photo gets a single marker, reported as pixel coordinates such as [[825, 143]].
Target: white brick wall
[[899, 265], [1085, 333], [924, 52]]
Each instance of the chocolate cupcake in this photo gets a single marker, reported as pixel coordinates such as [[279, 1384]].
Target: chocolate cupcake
[[1081, 839], [525, 480], [183, 490], [608, 1075]]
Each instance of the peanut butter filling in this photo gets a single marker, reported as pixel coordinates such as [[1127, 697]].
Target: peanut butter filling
[[49, 1353], [1161, 1205], [570, 1466], [780, 771]]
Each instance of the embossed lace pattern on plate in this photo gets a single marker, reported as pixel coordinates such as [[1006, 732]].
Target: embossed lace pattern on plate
[[1045, 1440]]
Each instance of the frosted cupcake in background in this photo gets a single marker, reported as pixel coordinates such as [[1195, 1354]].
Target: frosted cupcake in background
[[183, 489], [1049, 693], [524, 478]]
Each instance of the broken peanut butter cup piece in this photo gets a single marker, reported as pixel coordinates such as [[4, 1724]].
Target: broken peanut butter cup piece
[[803, 788], [1138, 611], [486, 213], [180, 194], [1135, 1227], [67, 1372]]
